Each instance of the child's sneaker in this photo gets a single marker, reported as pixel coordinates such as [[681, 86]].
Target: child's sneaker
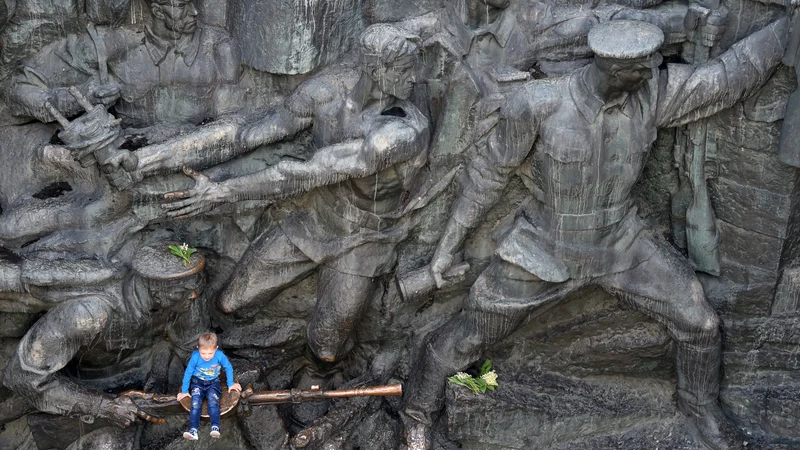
[[191, 434], [214, 432]]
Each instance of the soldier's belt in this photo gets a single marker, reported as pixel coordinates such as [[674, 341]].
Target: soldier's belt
[[351, 213], [578, 222]]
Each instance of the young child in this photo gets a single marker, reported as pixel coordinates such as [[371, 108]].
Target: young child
[[202, 380]]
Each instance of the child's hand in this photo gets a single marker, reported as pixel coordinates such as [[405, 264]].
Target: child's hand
[[236, 387], [182, 395]]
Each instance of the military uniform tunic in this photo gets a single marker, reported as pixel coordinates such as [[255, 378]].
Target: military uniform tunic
[[587, 155], [160, 81]]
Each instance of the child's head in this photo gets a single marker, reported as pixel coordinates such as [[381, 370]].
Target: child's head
[[207, 344]]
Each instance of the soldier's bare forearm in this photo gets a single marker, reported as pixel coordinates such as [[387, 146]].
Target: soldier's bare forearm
[[217, 142], [203, 148], [329, 165], [27, 100], [384, 146], [273, 127]]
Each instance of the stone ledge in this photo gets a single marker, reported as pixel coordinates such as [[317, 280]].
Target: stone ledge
[[546, 409]]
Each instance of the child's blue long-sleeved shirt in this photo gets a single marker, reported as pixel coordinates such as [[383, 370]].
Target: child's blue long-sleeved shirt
[[207, 370]]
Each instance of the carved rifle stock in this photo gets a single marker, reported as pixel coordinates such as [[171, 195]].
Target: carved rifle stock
[[702, 236]]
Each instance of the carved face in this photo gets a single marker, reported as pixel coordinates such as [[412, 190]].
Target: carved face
[[178, 15], [397, 80], [628, 76], [176, 295]]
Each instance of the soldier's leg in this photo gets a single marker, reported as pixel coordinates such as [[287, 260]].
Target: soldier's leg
[[500, 301], [341, 298], [271, 264], [666, 288]]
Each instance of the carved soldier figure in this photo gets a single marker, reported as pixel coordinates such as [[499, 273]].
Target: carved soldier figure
[[105, 339], [588, 135], [493, 45], [171, 76], [370, 143], [175, 71]]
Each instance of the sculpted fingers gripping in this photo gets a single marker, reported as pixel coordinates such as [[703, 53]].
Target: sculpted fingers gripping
[[99, 92], [123, 411], [197, 200], [712, 30]]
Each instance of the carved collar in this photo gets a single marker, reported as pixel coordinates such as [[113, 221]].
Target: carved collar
[[588, 101], [501, 28], [461, 36], [159, 48]]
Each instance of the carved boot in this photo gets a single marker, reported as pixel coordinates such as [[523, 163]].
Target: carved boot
[[418, 434], [711, 427], [314, 373], [697, 368]]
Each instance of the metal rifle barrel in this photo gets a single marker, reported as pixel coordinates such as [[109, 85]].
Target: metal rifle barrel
[[300, 395]]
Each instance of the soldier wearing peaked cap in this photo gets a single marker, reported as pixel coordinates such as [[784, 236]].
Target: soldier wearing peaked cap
[[588, 135]]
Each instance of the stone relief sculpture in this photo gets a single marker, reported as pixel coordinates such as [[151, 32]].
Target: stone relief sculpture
[[313, 139], [592, 131], [123, 67], [150, 304], [371, 143]]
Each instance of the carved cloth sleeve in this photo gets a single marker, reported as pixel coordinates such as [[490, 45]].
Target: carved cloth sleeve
[[690, 93], [389, 142], [48, 346], [47, 75], [505, 149]]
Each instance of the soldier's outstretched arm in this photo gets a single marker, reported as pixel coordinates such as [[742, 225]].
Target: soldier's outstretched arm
[[390, 142], [689, 93], [508, 144], [232, 136], [217, 142], [47, 347]]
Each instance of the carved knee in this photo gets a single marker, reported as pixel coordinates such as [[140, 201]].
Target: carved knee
[[327, 351]]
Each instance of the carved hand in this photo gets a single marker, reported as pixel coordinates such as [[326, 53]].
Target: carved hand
[[99, 92], [442, 260], [120, 169], [123, 412], [197, 200], [123, 179], [443, 257]]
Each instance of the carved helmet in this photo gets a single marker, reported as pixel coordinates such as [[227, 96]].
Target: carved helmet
[[159, 262]]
